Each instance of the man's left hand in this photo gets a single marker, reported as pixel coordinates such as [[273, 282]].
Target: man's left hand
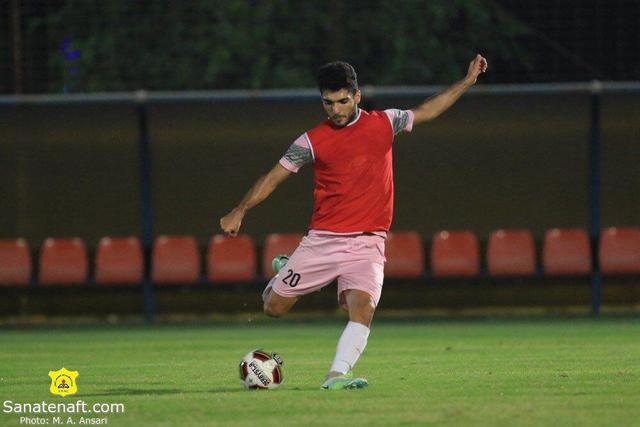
[[476, 67]]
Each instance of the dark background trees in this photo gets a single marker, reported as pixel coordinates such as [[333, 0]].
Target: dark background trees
[[93, 45]]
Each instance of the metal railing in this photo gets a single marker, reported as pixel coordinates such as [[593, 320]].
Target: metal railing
[[143, 98]]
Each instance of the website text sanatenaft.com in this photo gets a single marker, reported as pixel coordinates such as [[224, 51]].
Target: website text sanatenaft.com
[[77, 407]]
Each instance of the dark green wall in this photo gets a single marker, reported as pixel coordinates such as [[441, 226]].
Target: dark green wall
[[68, 171], [621, 160], [489, 162]]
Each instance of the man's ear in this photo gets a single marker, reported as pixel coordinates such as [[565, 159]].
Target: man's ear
[[357, 96]]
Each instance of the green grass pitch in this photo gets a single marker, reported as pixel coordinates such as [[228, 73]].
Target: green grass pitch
[[500, 372]]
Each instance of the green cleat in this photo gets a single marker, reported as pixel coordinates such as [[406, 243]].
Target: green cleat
[[278, 262], [344, 382]]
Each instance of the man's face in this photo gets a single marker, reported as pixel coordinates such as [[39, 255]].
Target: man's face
[[341, 106]]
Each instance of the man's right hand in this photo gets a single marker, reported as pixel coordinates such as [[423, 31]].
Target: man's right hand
[[230, 223]]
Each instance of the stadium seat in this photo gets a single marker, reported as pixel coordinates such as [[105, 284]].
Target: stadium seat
[[455, 254], [566, 252], [511, 253], [405, 255], [15, 262], [175, 260], [63, 261], [231, 259], [119, 260], [276, 244], [619, 251]]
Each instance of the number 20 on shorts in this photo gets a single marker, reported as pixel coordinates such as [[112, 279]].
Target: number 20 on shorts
[[291, 279]]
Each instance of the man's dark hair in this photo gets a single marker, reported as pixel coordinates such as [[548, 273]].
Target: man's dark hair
[[336, 76]]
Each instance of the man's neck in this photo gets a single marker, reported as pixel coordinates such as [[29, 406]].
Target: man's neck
[[354, 117]]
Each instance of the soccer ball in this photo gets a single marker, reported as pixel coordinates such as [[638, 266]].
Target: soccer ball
[[260, 370]]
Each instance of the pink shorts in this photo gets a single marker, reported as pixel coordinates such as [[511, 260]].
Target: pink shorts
[[357, 261]]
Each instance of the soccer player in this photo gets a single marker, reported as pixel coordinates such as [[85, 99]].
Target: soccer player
[[351, 153]]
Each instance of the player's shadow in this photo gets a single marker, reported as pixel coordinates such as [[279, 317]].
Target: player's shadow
[[164, 391], [227, 390], [131, 392], [244, 390], [156, 391]]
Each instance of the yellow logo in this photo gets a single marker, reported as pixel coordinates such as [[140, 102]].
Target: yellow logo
[[63, 382]]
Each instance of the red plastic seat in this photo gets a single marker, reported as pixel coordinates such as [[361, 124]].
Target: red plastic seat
[[405, 255], [566, 252], [15, 262], [63, 261], [455, 254], [119, 260], [619, 250], [175, 260], [231, 259], [278, 244], [511, 253]]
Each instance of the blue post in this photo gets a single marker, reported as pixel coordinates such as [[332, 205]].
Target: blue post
[[146, 208], [594, 154]]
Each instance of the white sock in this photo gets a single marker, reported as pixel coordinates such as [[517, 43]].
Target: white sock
[[350, 345], [267, 289], [266, 292]]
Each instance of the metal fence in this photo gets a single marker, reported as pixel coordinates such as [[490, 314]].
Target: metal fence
[[149, 163]]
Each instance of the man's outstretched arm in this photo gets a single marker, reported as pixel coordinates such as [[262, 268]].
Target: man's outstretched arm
[[437, 104], [264, 186]]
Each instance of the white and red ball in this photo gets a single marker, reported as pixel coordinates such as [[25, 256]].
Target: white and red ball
[[261, 370]]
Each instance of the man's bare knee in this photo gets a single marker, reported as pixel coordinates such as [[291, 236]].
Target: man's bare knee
[[273, 310], [277, 306], [361, 307]]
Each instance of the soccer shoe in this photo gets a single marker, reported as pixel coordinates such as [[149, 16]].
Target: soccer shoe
[[344, 382], [278, 262]]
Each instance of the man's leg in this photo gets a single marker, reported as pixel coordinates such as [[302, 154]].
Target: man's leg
[[276, 305], [306, 271], [352, 342], [361, 306]]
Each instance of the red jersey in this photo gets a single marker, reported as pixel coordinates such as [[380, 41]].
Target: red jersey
[[353, 171]]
